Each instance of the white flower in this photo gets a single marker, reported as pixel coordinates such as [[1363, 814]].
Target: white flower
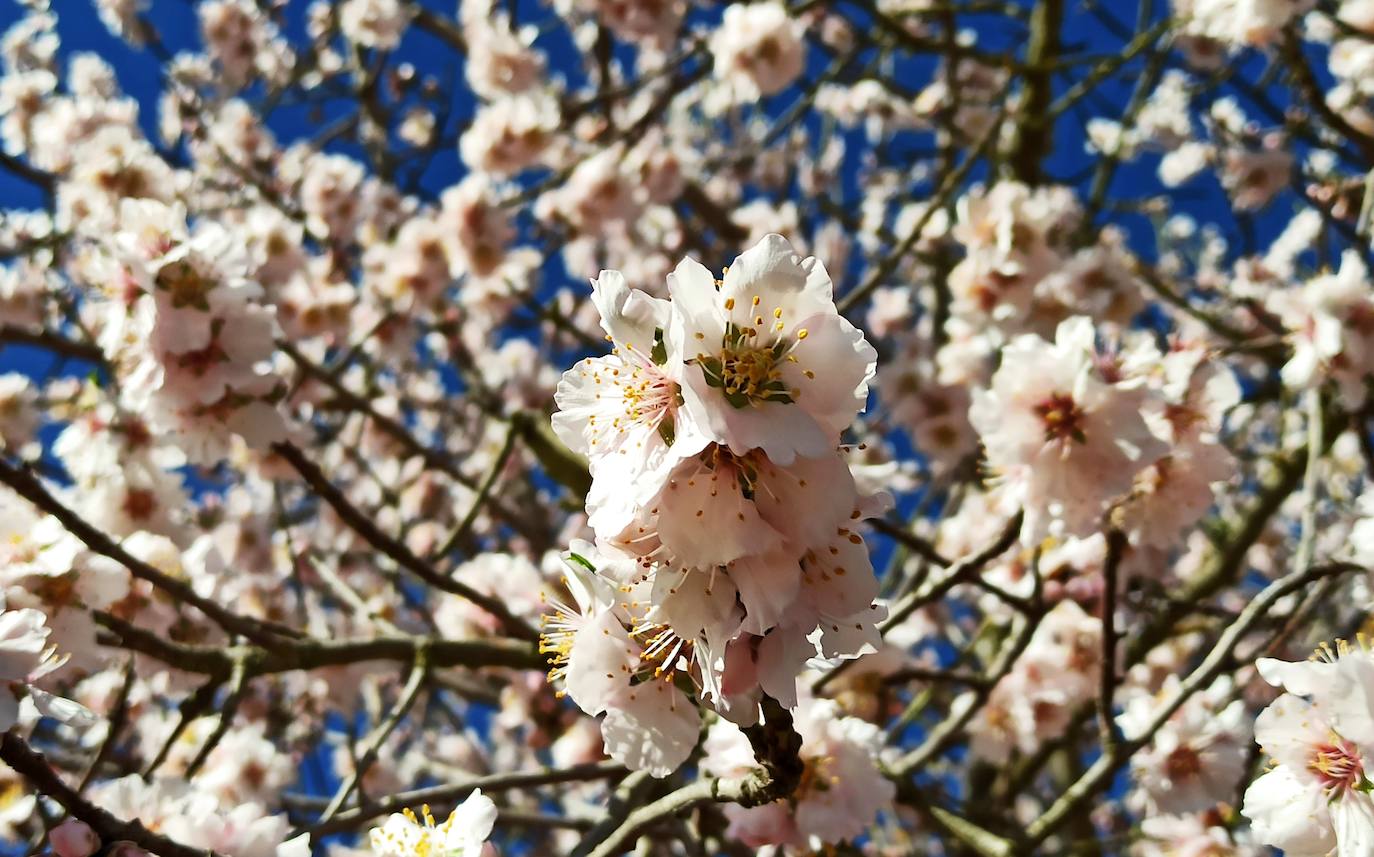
[[1065, 441], [1238, 22], [510, 134], [462, 834], [771, 364], [758, 49], [617, 663], [621, 410], [1362, 533], [1181, 164], [842, 790], [25, 657], [651, 726], [1317, 797], [1196, 758], [374, 23], [1331, 324]]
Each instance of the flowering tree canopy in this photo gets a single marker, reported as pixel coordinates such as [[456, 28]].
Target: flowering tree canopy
[[593, 427]]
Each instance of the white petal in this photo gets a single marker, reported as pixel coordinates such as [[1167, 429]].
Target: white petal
[[651, 727]]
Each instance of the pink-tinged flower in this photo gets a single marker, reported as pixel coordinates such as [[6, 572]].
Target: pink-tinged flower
[[462, 834], [1205, 835], [475, 229], [758, 49], [1174, 493], [621, 410], [1195, 393], [191, 343], [73, 838], [1316, 799], [25, 657], [374, 23], [243, 41], [649, 22], [841, 790], [1195, 759], [771, 364], [1013, 235], [182, 812], [1331, 324], [1065, 441], [1253, 177], [611, 659], [726, 558], [19, 412], [599, 192], [501, 58], [716, 507], [331, 195], [510, 134], [1036, 701]]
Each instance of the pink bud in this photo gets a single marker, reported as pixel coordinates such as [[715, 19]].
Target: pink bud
[[124, 848], [73, 838]]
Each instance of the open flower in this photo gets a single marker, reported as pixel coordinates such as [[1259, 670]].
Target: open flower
[[622, 410], [758, 49], [1064, 440], [613, 660], [25, 657], [462, 834], [722, 503], [1331, 324], [1317, 796], [841, 790], [771, 364]]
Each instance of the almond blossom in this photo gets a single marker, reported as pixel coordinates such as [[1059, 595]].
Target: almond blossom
[[25, 657], [1315, 800], [764, 338], [730, 542], [462, 834], [842, 788], [382, 426], [1331, 320], [1066, 440]]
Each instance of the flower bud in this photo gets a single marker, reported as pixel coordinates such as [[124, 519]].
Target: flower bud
[[73, 838]]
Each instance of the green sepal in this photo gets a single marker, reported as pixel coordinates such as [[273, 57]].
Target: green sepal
[[659, 353]]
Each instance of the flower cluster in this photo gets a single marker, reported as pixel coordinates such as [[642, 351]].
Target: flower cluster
[[189, 338], [722, 502], [1074, 434]]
